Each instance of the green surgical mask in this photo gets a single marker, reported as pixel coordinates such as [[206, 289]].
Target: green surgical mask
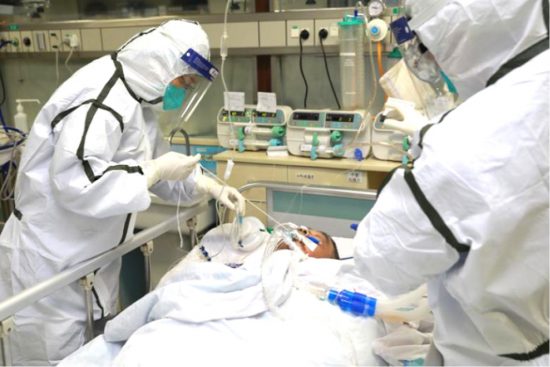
[[173, 97]]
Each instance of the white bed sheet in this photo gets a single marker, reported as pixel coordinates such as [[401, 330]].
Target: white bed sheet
[[208, 314]]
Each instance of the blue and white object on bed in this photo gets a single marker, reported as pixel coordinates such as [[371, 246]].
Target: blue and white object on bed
[[261, 312], [210, 314]]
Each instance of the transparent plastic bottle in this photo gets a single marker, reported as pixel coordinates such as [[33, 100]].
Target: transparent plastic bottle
[[351, 34]]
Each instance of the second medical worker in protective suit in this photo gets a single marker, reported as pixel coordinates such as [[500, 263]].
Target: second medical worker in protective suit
[[471, 217], [94, 153]]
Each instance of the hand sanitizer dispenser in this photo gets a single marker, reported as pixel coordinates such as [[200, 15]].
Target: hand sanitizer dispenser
[[20, 118]]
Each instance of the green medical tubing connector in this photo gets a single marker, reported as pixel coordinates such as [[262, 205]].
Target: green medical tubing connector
[[315, 140], [338, 150], [314, 144], [275, 142], [313, 154], [240, 136], [240, 133], [405, 144], [278, 131], [395, 54], [336, 137]]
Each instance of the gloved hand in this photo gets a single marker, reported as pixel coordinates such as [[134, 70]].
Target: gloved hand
[[227, 195], [402, 115], [170, 166]]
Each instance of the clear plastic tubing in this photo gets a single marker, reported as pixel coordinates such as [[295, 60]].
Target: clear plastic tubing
[[352, 62]]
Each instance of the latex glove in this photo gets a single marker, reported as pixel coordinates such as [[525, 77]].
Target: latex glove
[[227, 195], [402, 115], [171, 166]]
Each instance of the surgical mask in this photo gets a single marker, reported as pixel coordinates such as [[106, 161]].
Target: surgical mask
[[174, 97], [417, 57]]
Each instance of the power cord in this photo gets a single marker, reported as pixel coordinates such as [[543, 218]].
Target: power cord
[[323, 34], [304, 35]]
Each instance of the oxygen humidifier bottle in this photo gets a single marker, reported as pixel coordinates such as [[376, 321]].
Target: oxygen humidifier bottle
[[352, 62]]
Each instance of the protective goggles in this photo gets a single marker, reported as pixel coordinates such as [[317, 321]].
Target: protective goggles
[[417, 57], [187, 91]]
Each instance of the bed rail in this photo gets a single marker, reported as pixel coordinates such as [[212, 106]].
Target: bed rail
[[83, 272], [311, 189]]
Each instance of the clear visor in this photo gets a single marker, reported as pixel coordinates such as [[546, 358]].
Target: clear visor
[[195, 92], [416, 56], [196, 85]]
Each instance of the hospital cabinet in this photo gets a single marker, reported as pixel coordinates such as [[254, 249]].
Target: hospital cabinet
[[257, 166]]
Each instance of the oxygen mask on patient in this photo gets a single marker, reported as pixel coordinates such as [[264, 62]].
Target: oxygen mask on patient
[[292, 237]]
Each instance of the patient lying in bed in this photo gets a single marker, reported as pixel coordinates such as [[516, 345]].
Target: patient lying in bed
[[227, 304]]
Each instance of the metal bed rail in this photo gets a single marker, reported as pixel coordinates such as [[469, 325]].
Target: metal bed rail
[[309, 189], [84, 273]]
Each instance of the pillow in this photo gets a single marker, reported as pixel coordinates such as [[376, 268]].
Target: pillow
[[344, 246]]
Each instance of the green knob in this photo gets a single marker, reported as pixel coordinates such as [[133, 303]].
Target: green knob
[[277, 131], [336, 137]]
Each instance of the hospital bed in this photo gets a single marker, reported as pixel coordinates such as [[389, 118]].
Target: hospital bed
[[362, 332], [84, 273]]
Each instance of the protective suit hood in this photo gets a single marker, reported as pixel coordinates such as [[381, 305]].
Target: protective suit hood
[[151, 60], [472, 39]]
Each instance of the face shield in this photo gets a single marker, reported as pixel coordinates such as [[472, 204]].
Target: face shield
[[185, 92], [416, 56], [422, 65]]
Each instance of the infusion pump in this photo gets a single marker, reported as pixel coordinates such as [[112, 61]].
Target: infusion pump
[[329, 134], [252, 129]]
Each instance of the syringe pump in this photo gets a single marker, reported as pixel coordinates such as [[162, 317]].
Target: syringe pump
[[329, 134], [252, 129]]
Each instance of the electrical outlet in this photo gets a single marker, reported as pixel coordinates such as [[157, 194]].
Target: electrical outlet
[[294, 27], [331, 26], [55, 40], [71, 39]]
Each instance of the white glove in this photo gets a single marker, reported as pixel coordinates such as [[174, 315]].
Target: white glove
[[402, 115], [227, 195], [170, 166]]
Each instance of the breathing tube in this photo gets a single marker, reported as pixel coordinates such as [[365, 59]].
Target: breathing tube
[[412, 306]]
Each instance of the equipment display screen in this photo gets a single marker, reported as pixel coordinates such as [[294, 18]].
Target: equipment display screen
[[339, 117], [265, 114], [307, 116], [234, 113]]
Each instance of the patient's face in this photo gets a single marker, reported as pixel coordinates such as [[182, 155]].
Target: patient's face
[[324, 249]]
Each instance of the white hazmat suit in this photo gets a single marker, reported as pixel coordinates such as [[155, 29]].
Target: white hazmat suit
[[471, 217], [85, 172]]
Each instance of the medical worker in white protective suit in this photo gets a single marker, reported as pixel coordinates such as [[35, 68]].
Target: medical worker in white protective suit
[[94, 153], [471, 217]]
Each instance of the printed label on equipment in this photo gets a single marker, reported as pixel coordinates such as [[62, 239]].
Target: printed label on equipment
[[305, 147]]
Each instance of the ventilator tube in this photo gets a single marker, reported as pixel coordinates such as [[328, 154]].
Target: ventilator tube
[[412, 306]]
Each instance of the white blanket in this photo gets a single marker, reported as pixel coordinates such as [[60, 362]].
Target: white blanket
[[208, 314]]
